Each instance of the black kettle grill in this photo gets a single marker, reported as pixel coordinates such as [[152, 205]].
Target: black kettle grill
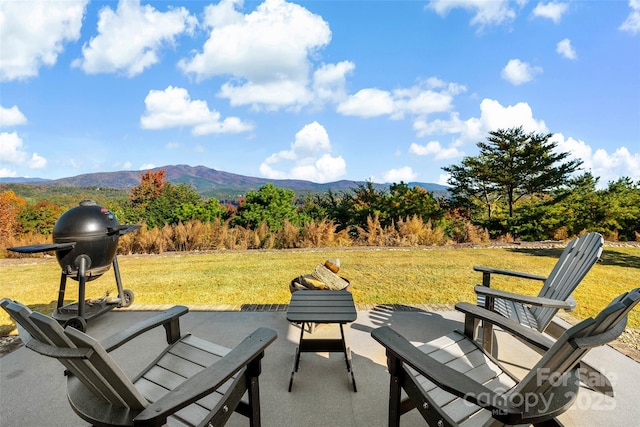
[[85, 241]]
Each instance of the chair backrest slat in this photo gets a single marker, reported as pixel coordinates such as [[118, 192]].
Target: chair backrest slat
[[103, 375], [566, 352], [101, 371], [572, 266], [611, 315], [98, 372], [109, 370], [30, 332]]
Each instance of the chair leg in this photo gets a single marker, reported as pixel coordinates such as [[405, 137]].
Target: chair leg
[[253, 386], [395, 390], [487, 327], [254, 402], [471, 327]]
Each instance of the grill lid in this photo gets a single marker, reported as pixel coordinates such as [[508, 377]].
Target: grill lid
[[86, 220], [87, 233]]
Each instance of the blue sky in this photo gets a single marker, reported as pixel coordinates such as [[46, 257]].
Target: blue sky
[[387, 91]]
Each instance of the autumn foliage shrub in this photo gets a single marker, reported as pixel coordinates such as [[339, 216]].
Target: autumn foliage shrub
[[219, 235]]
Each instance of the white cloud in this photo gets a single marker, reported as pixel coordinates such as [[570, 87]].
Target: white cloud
[[517, 72], [443, 178], [552, 10], [147, 166], [607, 166], [632, 23], [367, 103], [36, 161], [432, 96], [308, 158], [6, 173], [453, 125], [486, 13], [427, 97], [312, 139], [269, 95], [34, 33], [130, 37], [11, 117], [565, 49], [12, 151], [267, 52], [493, 116], [329, 81], [173, 107], [435, 150], [404, 174]]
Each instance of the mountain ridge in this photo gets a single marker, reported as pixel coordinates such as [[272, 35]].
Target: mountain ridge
[[207, 181]]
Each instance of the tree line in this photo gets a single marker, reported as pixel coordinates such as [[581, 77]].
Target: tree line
[[518, 187]]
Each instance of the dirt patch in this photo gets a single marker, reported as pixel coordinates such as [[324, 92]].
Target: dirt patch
[[9, 344], [629, 344]]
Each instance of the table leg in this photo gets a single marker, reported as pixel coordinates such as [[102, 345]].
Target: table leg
[[329, 345], [294, 369], [296, 360], [299, 347], [347, 358]]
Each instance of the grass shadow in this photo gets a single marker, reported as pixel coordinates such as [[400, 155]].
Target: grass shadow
[[609, 256], [619, 259], [547, 252]]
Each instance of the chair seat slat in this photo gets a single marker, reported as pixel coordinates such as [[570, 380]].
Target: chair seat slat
[[193, 354], [192, 414], [512, 310], [208, 346]]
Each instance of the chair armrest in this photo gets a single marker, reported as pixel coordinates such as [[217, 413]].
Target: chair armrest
[[488, 271], [210, 379], [568, 305], [473, 312], [169, 319], [443, 376]]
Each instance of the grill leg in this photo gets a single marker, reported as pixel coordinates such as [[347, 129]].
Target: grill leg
[[116, 271], [82, 281], [63, 285]]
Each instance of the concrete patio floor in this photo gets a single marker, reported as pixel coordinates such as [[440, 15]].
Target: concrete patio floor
[[32, 387]]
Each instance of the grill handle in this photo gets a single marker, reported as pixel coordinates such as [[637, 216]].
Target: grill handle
[[122, 229]]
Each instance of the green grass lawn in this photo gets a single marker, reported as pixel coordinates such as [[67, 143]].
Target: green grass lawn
[[378, 276]]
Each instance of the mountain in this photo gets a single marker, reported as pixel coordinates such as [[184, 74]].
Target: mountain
[[209, 182], [18, 180]]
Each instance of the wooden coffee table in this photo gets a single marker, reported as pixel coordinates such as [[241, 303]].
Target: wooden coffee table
[[311, 307]]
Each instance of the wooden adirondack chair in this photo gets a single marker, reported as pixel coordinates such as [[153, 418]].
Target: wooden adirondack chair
[[453, 381], [537, 312], [192, 382]]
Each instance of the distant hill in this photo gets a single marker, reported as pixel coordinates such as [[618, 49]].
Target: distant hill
[[16, 180], [208, 182]]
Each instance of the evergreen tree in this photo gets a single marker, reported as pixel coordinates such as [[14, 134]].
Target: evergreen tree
[[511, 165]]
